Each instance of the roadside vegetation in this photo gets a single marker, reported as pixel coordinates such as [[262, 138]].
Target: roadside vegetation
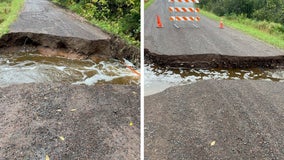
[[120, 17], [9, 10], [262, 19], [147, 3]]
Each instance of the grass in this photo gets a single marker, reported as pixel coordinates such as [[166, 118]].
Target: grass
[[148, 3], [9, 12], [250, 27], [113, 27], [108, 26]]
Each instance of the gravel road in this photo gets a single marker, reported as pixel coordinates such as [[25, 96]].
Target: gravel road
[[216, 120], [69, 122], [208, 39]]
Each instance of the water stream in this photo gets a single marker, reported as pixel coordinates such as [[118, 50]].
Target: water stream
[[21, 68], [157, 79]]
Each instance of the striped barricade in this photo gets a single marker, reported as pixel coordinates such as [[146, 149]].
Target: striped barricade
[[184, 18], [183, 9], [184, 12], [186, 1]]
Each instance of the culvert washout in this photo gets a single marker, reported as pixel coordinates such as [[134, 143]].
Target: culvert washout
[[42, 58], [211, 60], [176, 70]]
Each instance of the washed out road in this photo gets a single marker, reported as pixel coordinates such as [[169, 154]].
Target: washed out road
[[43, 24], [233, 119], [207, 39], [216, 120], [60, 120]]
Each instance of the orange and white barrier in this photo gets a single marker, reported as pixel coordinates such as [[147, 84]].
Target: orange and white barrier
[[183, 9], [187, 1], [184, 18]]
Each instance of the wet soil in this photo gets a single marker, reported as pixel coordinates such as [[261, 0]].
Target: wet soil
[[64, 121], [216, 120], [69, 46], [209, 61], [77, 45]]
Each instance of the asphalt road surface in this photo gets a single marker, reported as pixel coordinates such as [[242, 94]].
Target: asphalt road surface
[[216, 120], [208, 39], [43, 24], [41, 16], [68, 122]]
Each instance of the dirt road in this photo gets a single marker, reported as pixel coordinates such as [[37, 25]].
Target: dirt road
[[69, 122], [169, 42], [216, 120]]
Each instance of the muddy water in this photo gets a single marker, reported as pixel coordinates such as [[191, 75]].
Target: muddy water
[[157, 79], [33, 67]]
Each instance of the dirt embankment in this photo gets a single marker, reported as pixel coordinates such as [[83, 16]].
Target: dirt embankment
[[119, 49], [109, 48], [206, 61], [69, 122]]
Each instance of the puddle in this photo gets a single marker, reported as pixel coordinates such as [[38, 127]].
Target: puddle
[[34, 68], [157, 79]]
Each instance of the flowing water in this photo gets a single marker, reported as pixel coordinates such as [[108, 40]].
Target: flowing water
[[21, 68], [157, 79]]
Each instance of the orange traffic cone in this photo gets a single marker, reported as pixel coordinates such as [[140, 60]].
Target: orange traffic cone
[[221, 25], [159, 23]]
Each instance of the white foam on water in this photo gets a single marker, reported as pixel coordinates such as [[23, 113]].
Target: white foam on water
[[157, 80], [247, 76], [107, 72], [95, 79], [61, 68], [28, 71], [278, 74], [238, 73]]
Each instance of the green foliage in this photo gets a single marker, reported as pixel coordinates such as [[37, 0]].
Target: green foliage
[[125, 14], [129, 23], [264, 15], [269, 32], [4, 9], [269, 10], [9, 10], [148, 3], [266, 26]]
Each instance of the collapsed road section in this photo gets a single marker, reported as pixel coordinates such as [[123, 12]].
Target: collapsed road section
[[66, 46], [49, 118], [230, 118], [207, 46], [208, 61], [42, 24]]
